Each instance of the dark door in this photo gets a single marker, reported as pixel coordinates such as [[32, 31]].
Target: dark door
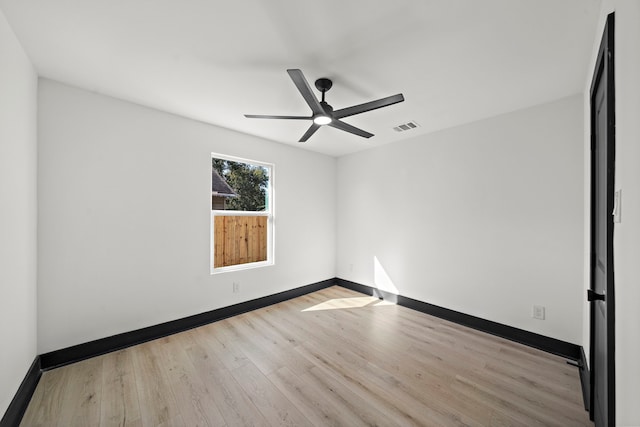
[[602, 408]]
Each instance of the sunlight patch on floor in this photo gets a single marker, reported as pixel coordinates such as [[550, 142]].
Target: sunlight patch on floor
[[342, 303], [383, 303]]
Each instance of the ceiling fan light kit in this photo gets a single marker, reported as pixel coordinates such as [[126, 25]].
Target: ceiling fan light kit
[[322, 120], [323, 113]]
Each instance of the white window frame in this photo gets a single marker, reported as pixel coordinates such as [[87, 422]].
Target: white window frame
[[268, 213]]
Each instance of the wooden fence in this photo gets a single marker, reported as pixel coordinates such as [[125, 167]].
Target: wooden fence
[[239, 240]]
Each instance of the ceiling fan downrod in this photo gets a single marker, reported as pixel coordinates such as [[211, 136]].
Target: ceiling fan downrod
[[323, 84]]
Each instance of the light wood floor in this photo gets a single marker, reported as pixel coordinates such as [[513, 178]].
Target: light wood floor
[[333, 357]]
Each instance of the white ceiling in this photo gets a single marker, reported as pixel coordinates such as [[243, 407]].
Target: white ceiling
[[455, 61]]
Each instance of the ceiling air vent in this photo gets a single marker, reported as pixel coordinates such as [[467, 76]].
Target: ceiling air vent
[[406, 126]]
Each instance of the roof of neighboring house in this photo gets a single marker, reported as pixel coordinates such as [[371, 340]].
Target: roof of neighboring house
[[219, 186]]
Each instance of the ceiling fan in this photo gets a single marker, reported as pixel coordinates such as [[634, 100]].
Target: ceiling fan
[[323, 113]]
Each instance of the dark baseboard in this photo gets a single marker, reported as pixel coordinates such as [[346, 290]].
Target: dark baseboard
[[585, 379], [101, 346], [531, 339], [18, 405]]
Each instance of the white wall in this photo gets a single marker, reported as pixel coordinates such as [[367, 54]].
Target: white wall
[[124, 217], [485, 218], [627, 233], [18, 163]]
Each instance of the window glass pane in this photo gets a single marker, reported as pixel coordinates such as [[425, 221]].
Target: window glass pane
[[239, 240], [239, 186]]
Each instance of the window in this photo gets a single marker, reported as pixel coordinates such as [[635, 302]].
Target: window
[[241, 213]]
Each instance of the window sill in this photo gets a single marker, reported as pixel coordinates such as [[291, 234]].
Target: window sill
[[240, 267]]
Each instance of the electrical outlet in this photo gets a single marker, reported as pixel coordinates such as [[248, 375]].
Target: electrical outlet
[[538, 312], [236, 287]]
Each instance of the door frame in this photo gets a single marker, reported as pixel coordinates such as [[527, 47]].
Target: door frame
[[605, 60]]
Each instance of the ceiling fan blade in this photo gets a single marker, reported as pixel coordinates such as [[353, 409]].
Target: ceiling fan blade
[[262, 116], [368, 106], [348, 128], [305, 90], [312, 129]]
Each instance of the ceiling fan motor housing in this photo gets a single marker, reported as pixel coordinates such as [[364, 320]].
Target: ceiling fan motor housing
[[326, 107]]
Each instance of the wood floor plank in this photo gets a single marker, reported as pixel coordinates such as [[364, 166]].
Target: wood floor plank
[[120, 405], [234, 404], [349, 404], [378, 386], [259, 355], [46, 404], [224, 346], [330, 358], [157, 403], [273, 405], [83, 395], [312, 400], [501, 403], [267, 349], [538, 402], [193, 397]]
